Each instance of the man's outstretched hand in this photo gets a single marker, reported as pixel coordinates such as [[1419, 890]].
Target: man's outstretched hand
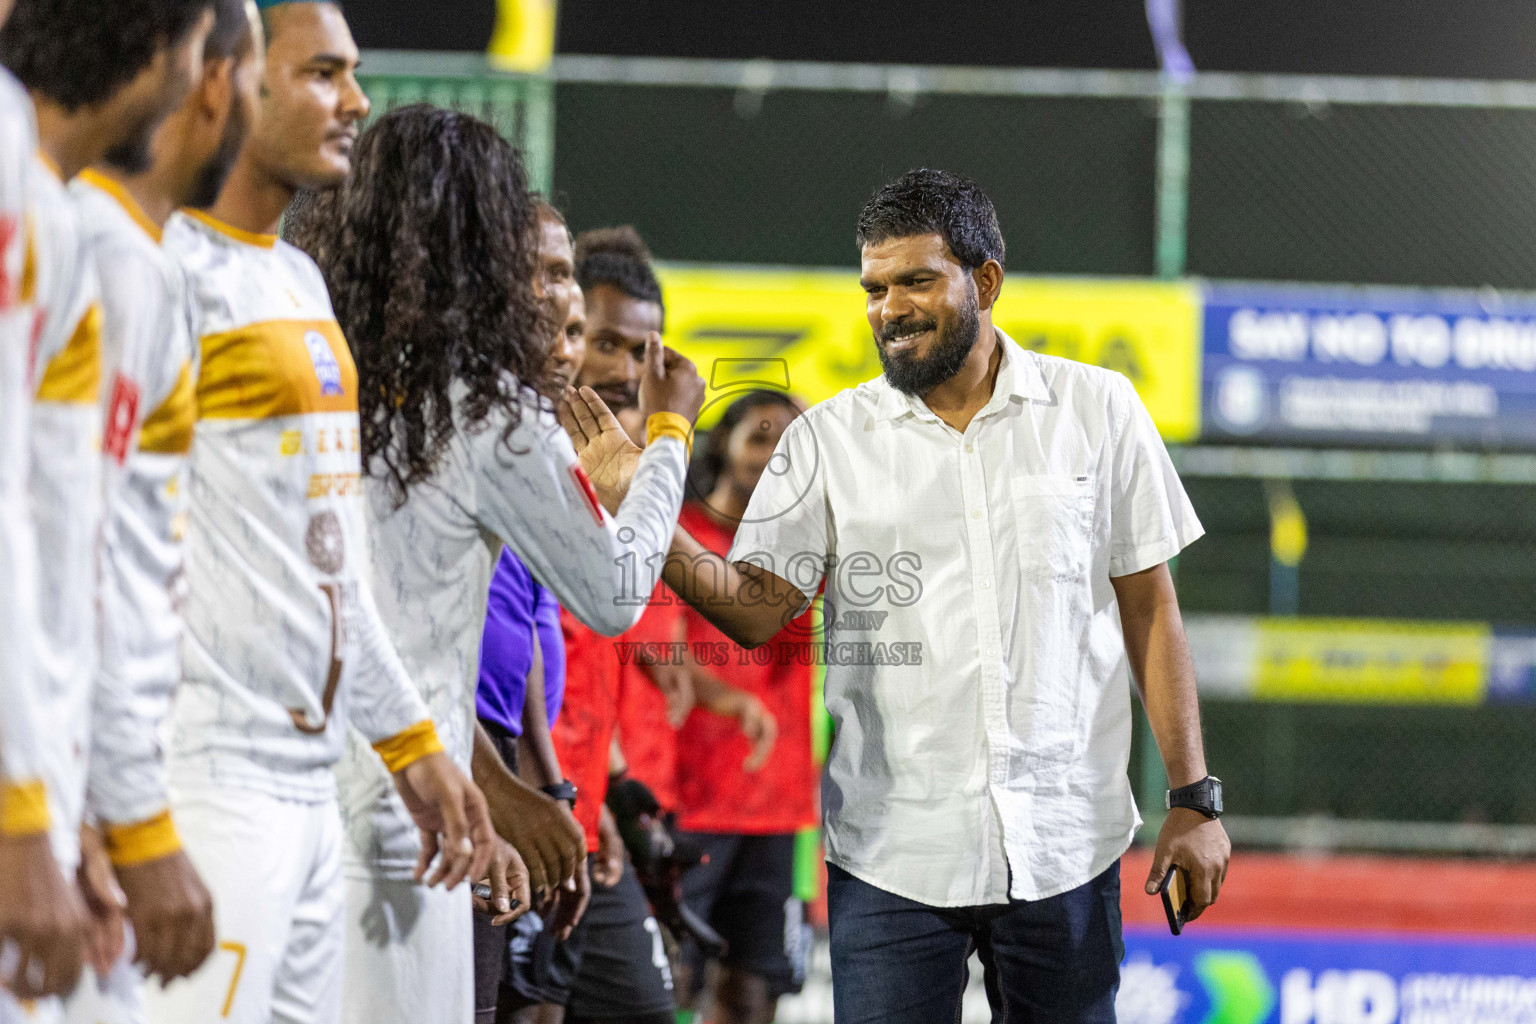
[[452, 816], [605, 452], [1197, 844]]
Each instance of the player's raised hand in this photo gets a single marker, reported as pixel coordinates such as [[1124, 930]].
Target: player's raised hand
[[451, 813], [671, 382], [511, 896], [760, 728], [172, 915], [607, 455], [42, 920]]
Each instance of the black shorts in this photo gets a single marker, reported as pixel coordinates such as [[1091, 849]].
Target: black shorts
[[746, 892], [613, 967]]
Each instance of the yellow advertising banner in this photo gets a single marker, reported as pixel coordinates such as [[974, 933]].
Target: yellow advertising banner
[[1363, 661], [805, 330]]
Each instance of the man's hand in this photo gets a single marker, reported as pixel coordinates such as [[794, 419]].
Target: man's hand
[[103, 902], [608, 867], [543, 831], [671, 383], [171, 913], [510, 894], [605, 452], [756, 722], [676, 685], [42, 915], [1197, 844], [570, 903], [451, 814]]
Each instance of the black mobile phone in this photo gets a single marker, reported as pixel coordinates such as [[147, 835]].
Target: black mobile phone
[[1175, 892]]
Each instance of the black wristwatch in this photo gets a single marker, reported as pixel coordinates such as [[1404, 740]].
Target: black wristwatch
[[565, 789], [1203, 796]]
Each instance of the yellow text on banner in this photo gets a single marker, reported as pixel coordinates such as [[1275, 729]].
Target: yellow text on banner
[[1366, 661]]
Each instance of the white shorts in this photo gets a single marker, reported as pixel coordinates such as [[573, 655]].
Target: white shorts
[[42, 1011], [410, 954], [273, 868]]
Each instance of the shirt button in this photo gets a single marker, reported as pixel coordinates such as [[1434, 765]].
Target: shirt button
[[975, 513], [986, 584], [970, 447]]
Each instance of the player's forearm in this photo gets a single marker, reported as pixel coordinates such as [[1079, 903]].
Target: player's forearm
[[384, 701], [537, 762], [749, 609], [1164, 671]]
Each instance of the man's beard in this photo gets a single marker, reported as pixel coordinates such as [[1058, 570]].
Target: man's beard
[[915, 375], [132, 155], [210, 180]]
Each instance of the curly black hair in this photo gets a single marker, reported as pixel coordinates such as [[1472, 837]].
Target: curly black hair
[[81, 52], [618, 257], [710, 458], [929, 202], [429, 249]]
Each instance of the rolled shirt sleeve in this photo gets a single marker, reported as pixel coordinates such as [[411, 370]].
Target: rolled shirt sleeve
[[1150, 516], [786, 529]]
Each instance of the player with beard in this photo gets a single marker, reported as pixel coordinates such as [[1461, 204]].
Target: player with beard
[[1012, 515], [284, 646], [148, 356], [98, 85], [430, 251]]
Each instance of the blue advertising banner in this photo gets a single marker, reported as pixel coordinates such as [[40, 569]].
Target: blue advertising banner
[[1256, 977], [1369, 366]]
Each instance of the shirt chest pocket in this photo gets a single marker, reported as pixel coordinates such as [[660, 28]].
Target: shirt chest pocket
[[1054, 514]]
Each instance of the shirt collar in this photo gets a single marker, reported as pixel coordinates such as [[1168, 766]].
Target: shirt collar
[[1019, 376]]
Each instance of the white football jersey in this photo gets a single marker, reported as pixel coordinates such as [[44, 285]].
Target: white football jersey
[[66, 487], [432, 564], [22, 805], [283, 641], [149, 372]]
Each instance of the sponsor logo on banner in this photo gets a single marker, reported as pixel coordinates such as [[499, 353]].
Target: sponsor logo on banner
[[1240, 977], [1377, 366], [806, 331]]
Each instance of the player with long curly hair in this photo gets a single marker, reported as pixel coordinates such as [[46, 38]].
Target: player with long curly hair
[[429, 250]]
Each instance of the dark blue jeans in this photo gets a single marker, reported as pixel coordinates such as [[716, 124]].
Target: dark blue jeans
[[1050, 961]]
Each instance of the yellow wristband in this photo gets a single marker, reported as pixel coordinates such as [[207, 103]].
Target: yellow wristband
[[406, 748], [23, 808], [128, 845], [670, 424]]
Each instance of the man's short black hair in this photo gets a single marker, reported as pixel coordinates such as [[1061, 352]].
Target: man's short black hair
[[929, 202], [617, 257], [79, 53], [231, 30]]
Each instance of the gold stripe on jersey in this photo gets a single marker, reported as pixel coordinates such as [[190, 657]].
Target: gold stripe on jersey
[[405, 748], [276, 368], [73, 377], [23, 808], [29, 261], [128, 845], [238, 234], [129, 204], [169, 429]]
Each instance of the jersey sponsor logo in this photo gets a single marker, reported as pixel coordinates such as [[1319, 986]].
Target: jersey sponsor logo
[[585, 489], [327, 369], [122, 414], [324, 543]]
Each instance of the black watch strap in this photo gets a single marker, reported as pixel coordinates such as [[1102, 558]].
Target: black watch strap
[[1204, 796], [565, 789]]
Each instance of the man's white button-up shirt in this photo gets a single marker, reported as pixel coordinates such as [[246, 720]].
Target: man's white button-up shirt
[[976, 671]]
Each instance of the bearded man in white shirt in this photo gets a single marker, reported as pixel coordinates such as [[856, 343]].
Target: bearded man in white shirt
[[1012, 515]]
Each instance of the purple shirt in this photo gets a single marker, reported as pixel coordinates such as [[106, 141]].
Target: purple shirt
[[517, 606]]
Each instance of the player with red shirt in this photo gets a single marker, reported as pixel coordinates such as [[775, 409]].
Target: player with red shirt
[[746, 820]]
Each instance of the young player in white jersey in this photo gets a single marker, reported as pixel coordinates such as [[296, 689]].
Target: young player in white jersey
[[107, 95], [149, 358], [40, 914], [284, 645], [435, 226]]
